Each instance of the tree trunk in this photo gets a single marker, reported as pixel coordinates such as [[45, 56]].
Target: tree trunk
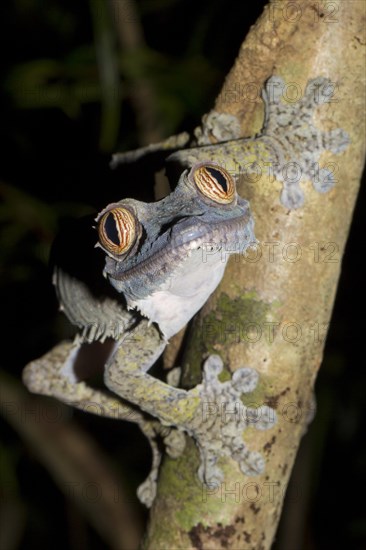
[[273, 307]]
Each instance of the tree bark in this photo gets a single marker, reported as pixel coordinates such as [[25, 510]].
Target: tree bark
[[273, 307]]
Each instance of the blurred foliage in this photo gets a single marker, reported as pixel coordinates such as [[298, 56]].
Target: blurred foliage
[[100, 73], [69, 92]]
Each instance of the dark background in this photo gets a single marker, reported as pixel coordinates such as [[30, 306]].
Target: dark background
[[60, 122]]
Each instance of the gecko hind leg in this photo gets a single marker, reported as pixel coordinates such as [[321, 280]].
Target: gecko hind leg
[[53, 375]]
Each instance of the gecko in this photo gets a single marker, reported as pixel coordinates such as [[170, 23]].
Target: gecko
[[160, 263]]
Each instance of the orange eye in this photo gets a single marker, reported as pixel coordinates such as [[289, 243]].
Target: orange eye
[[215, 183], [117, 230]]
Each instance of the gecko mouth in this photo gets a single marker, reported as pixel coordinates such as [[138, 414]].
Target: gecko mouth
[[185, 236], [140, 277]]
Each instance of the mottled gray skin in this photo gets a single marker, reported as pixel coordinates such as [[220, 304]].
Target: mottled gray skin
[[167, 278]]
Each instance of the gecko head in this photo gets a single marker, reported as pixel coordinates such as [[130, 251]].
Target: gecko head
[[167, 257]]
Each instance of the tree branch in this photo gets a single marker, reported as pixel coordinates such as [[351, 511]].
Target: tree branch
[[286, 295]]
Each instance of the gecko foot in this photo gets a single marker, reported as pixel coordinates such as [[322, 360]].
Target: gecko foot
[[212, 413], [218, 430], [301, 144]]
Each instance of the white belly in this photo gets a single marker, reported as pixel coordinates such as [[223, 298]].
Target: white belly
[[179, 298]]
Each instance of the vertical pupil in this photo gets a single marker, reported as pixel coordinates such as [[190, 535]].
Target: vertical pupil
[[110, 229], [219, 177]]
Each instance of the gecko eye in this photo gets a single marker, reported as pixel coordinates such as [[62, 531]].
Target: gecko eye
[[214, 182], [117, 230]]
